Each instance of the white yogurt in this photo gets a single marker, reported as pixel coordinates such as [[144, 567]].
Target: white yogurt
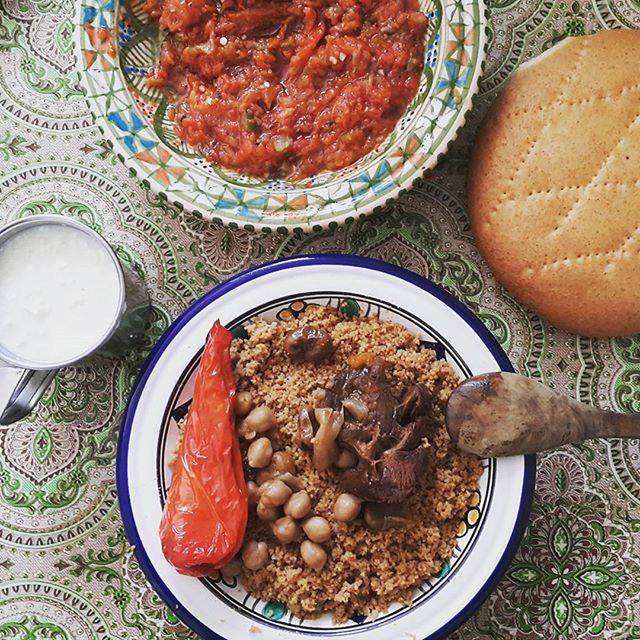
[[59, 293]]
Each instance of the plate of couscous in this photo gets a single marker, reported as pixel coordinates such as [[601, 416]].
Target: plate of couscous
[[284, 468]]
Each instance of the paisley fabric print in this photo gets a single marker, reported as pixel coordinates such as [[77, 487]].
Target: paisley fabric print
[[67, 571]]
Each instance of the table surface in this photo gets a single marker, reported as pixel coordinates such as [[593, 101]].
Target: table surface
[[66, 569]]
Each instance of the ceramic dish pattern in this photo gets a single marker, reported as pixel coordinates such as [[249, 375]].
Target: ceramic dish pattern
[[119, 43], [215, 608]]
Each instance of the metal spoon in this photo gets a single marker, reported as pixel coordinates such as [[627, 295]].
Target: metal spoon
[[505, 414]]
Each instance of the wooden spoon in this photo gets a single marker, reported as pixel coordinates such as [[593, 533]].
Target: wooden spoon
[[505, 414]]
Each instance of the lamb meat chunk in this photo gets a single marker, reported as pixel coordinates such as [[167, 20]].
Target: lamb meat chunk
[[409, 436], [370, 386], [390, 480], [381, 517], [417, 401], [400, 472], [308, 344], [389, 438]]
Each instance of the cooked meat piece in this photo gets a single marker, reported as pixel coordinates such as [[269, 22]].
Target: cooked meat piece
[[401, 471], [409, 436], [354, 434], [368, 384], [381, 517], [390, 479], [361, 441], [417, 401], [357, 382], [307, 344], [388, 438]]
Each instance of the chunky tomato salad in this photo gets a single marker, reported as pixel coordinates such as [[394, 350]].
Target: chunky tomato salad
[[288, 88]]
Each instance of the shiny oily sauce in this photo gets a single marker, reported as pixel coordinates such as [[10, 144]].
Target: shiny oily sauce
[[288, 88]]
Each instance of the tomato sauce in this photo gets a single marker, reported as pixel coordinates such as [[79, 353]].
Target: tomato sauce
[[288, 88]]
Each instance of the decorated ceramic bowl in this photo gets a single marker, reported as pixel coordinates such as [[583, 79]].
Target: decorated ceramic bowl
[[219, 608], [119, 43]]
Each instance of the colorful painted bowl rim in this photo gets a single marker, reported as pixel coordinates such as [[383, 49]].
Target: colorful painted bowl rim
[[282, 223], [228, 286]]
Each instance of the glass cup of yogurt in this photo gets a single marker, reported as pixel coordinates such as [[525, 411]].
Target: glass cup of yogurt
[[62, 297]]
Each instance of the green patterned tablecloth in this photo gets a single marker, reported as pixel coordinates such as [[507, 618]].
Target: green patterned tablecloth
[[66, 570]]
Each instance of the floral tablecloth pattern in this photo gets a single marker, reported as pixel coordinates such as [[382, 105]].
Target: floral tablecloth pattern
[[66, 569]]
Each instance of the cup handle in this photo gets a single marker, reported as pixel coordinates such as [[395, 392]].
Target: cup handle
[[25, 395]]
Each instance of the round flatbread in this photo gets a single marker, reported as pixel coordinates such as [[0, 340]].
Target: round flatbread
[[554, 185]]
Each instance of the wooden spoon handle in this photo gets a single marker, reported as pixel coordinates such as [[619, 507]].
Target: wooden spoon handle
[[617, 425]]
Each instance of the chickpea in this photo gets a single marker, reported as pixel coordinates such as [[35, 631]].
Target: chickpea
[[244, 432], [260, 419], [286, 529], [255, 555], [298, 505], [346, 508], [313, 555], [274, 493], [252, 490], [232, 568], [317, 529], [293, 482], [267, 514], [282, 462], [259, 453], [244, 403], [264, 475], [346, 459]]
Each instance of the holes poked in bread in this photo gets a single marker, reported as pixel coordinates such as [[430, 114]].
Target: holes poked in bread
[[621, 251], [573, 103]]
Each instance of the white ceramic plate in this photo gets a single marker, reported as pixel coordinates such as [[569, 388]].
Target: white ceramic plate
[[216, 609]]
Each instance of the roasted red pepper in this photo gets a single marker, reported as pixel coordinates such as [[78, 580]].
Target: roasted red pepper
[[205, 515]]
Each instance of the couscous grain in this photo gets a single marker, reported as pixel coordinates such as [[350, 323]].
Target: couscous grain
[[366, 570]]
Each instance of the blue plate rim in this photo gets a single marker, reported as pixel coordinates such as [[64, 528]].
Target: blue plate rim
[[236, 281]]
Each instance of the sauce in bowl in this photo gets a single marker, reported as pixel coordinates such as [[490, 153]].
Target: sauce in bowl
[[288, 88]]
